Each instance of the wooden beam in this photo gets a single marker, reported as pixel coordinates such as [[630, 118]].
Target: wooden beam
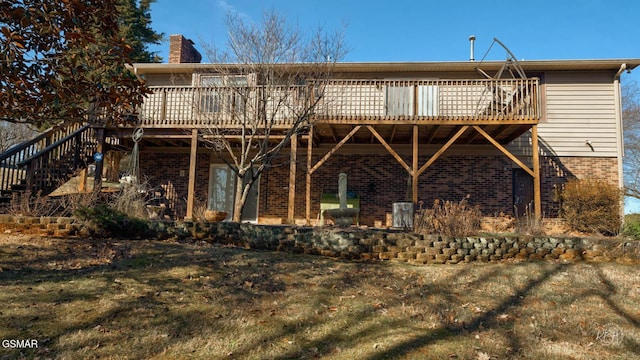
[[472, 138], [537, 203], [191, 187], [502, 130], [335, 148], [241, 137], [389, 148], [504, 150], [443, 149], [433, 134], [82, 183], [414, 167], [393, 133], [307, 200], [424, 120], [333, 133], [291, 208]]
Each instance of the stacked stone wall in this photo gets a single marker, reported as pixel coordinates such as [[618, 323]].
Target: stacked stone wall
[[363, 244]]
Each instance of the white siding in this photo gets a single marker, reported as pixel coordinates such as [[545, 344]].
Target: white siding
[[578, 106]]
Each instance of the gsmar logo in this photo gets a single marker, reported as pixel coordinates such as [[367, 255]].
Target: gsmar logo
[[20, 344]]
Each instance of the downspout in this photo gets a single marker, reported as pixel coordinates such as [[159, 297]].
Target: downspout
[[619, 131]]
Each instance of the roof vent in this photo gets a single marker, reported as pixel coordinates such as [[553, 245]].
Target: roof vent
[[472, 40]]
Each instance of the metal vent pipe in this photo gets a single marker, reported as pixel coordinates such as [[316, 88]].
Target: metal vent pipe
[[472, 51]]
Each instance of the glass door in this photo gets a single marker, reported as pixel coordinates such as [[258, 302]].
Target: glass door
[[221, 189], [222, 184]]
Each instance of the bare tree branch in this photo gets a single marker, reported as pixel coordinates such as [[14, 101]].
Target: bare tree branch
[[266, 85], [631, 121]]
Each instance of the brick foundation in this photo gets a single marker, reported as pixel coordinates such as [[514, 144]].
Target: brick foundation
[[380, 181]]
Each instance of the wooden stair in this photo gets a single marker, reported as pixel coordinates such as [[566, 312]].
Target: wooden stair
[[41, 164]]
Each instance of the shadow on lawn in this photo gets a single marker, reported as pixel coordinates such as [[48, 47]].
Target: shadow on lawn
[[134, 281]]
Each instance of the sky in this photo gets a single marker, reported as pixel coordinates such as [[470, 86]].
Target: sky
[[428, 30]]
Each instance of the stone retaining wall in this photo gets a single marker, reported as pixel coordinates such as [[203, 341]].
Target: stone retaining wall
[[364, 244]]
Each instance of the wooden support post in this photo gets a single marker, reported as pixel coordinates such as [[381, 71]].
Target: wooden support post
[[536, 172], [291, 208], [191, 189], [414, 167], [82, 183], [307, 212]]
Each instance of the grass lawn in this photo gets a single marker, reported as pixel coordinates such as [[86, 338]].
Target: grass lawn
[[149, 299]]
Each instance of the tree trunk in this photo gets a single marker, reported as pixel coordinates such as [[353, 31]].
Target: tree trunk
[[242, 192], [238, 202]]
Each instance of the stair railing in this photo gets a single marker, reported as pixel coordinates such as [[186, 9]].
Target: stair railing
[[10, 173], [45, 170]]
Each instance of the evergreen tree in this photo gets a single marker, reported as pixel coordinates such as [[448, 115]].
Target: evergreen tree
[[135, 28]]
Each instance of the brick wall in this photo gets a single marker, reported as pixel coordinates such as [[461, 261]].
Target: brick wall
[[380, 181], [169, 174]]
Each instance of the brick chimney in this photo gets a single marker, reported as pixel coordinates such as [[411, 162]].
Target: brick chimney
[[181, 50]]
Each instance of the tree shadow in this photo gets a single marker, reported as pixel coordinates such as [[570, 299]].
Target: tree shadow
[[272, 287]]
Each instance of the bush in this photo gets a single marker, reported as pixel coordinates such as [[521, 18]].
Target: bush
[[28, 204], [529, 223], [104, 221], [632, 226], [449, 218], [592, 205]]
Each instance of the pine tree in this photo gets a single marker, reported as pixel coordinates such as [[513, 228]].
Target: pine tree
[[135, 28]]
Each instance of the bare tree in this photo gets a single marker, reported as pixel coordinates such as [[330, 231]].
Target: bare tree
[[263, 89], [631, 118], [14, 133]]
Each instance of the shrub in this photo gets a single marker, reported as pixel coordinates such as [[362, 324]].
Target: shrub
[[130, 200], [29, 204], [104, 221], [592, 205], [449, 218], [529, 223], [632, 226]]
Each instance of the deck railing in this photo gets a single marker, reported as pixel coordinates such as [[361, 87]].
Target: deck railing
[[471, 100]]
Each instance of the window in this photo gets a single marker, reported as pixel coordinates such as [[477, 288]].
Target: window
[[223, 94], [399, 100]]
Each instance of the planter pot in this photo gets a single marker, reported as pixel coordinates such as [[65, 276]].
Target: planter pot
[[215, 216]]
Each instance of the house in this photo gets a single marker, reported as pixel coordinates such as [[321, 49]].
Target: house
[[413, 132], [508, 134]]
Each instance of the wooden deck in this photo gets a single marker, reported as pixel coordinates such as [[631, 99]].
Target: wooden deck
[[366, 102]]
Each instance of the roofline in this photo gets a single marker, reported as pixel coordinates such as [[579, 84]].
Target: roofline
[[527, 65]]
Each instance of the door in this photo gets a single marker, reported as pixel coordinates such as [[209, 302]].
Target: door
[[522, 191], [222, 185], [221, 189]]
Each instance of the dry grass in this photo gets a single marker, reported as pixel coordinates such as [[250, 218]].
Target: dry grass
[[150, 299]]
